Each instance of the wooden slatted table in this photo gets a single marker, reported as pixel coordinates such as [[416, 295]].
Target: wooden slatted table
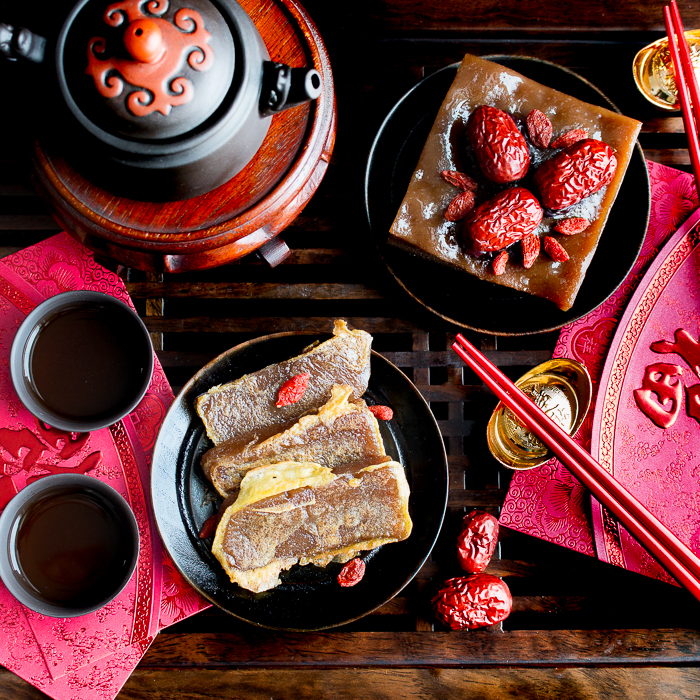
[[579, 628]]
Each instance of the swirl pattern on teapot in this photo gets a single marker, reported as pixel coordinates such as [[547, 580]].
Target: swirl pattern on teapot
[[157, 50]]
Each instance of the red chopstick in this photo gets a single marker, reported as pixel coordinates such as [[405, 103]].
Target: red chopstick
[[661, 543], [685, 82]]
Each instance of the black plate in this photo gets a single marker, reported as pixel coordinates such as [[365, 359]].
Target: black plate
[[309, 597], [450, 293]]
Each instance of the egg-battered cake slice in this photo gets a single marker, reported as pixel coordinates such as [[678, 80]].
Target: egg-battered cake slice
[[300, 512], [341, 435], [245, 410]]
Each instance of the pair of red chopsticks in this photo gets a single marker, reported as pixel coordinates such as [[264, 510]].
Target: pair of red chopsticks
[[686, 84], [653, 535]]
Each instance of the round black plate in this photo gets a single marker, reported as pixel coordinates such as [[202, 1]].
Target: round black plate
[[309, 597], [451, 293]]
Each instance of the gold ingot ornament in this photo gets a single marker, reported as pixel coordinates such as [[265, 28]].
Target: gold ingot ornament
[[654, 74], [562, 389]]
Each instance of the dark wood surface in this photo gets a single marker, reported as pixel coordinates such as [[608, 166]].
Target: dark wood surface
[[579, 628]]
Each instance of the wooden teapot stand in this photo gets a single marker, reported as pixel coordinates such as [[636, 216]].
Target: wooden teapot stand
[[240, 216]]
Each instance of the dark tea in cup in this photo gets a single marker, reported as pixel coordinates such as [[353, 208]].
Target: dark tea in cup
[[72, 545]]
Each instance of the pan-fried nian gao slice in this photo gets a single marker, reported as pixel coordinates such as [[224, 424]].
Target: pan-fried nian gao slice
[[420, 225], [341, 435], [300, 512], [244, 410]]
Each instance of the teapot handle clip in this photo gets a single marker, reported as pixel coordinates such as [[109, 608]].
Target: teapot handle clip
[[284, 87], [18, 42]]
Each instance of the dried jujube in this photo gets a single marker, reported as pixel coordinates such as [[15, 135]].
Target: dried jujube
[[576, 172], [500, 149], [469, 602], [477, 541], [501, 220]]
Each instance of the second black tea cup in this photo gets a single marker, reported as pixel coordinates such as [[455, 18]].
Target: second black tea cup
[[70, 544]]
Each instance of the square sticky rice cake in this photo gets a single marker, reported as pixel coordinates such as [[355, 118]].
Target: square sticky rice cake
[[420, 225]]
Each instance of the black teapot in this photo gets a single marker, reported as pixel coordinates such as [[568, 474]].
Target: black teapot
[[164, 99]]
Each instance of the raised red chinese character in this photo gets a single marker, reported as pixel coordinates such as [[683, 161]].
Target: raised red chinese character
[[661, 393], [683, 345]]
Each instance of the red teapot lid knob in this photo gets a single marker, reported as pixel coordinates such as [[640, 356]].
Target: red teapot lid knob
[[144, 41]]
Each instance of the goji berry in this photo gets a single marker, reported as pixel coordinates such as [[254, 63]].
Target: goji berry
[[568, 227], [531, 249], [209, 526], [293, 389], [461, 180], [460, 206], [539, 128], [570, 138], [382, 412], [499, 263], [555, 250], [351, 574]]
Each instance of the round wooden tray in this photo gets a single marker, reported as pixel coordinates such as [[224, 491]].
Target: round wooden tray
[[233, 220]]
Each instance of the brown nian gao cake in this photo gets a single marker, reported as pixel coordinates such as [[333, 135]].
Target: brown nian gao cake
[[301, 512], [340, 436], [420, 225], [244, 411]]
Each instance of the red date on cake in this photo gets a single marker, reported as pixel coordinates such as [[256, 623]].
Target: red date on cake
[[502, 220], [477, 541], [500, 149], [575, 173], [469, 602]]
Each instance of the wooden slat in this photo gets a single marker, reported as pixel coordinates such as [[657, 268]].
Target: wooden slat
[[409, 684], [251, 290], [172, 358], [448, 358], [28, 222], [12, 190], [155, 307], [483, 16], [431, 392], [490, 498], [420, 343], [455, 427], [663, 125], [548, 604], [276, 324], [8, 250], [308, 256], [673, 157], [452, 649], [449, 392]]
